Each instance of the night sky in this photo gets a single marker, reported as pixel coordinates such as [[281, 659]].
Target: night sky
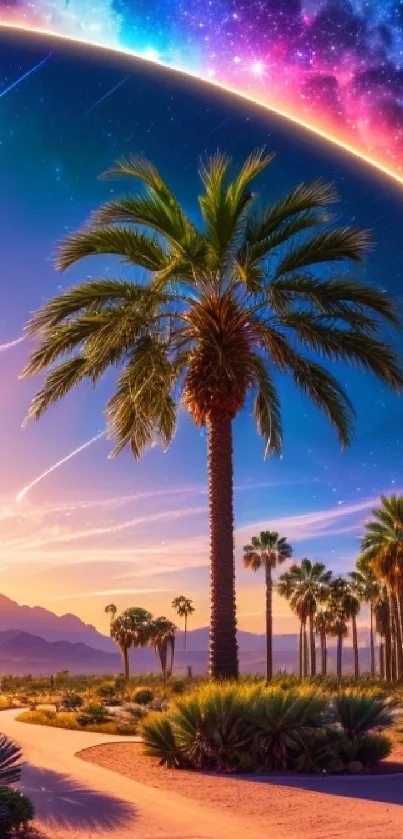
[[336, 65], [97, 530]]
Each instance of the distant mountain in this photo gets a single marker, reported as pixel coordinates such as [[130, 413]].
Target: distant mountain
[[22, 653], [51, 627]]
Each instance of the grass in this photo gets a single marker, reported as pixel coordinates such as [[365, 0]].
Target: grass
[[68, 720]]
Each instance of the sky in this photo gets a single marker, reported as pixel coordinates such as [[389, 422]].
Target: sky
[[335, 65], [96, 530]]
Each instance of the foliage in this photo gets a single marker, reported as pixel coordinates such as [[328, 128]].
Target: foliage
[[358, 713], [19, 811], [10, 761], [254, 728], [93, 714], [71, 722], [71, 701], [142, 696]]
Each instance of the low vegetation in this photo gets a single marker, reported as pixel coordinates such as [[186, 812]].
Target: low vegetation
[[234, 728], [16, 810], [90, 719]]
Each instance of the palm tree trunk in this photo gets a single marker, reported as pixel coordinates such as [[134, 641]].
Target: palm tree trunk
[[126, 666], [398, 635], [323, 653], [312, 645], [382, 660], [339, 656], [388, 654], [372, 641], [393, 644], [186, 630], [301, 642], [223, 640], [269, 624], [355, 647], [305, 652]]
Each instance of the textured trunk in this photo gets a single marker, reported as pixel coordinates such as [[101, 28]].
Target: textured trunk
[[312, 645], [372, 640], [186, 632], [323, 653], [355, 647], [125, 657], [305, 651], [301, 644], [393, 644], [382, 659], [398, 636], [339, 656], [223, 640], [269, 624], [388, 654]]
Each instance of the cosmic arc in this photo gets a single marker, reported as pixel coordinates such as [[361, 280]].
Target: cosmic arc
[[316, 128]]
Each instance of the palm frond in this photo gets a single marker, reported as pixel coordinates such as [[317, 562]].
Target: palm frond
[[266, 408], [333, 245], [132, 246], [58, 383], [10, 762], [306, 196]]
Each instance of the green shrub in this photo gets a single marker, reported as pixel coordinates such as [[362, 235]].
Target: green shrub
[[107, 691], [10, 761], [17, 810], [160, 741], [372, 748], [177, 686], [143, 696], [71, 701], [360, 712], [93, 714]]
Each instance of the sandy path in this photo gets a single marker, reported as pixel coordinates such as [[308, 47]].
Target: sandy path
[[77, 800], [359, 807]]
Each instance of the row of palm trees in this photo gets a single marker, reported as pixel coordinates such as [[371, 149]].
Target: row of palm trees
[[219, 310], [136, 627], [325, 605]]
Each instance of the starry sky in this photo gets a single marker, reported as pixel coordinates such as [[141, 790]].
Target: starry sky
[[95, 530], [335, 65]]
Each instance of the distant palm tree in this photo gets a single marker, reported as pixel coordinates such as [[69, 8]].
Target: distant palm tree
[[306, 586], [367, 589], [111, 610], [131, 629], [267, 551], [323, 628], [383, 627], [339, 605], [184, 608], [162, 637], [382, 549], [224, 307]]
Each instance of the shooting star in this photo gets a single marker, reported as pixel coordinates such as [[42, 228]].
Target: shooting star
[[4, 347], [25, 76], [105, 96], [23, 492]]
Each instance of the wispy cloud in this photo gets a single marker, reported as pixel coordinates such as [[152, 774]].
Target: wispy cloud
[[112, 592]]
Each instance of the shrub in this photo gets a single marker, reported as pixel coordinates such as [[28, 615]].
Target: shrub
[[360, 712], [106, 691], [143, 696], [17, 810], [94, 714], [10, 762], [372, 748], [177, 686], [160, 741], [125, 728], [71, 701]]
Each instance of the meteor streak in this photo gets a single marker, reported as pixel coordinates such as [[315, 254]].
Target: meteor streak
[[105, 96], [23, 492], [4, 347], [25, 76]]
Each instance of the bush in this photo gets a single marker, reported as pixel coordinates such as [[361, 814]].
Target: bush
[[125, 728], [10, 761], [177, 686], [17, 810], [107, 691], [360, 712], [71, 701], [93, 714], [143, 696], [248, 728]]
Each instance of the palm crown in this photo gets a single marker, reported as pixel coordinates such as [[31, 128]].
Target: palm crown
[[225, 306], [382, 544], [266, 551]]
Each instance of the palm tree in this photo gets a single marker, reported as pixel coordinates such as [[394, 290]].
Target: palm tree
[[306, 585], [111, 610], [131, 629], [352, 606], [338, 607], [382, 549], [267, 551], [323, 628], [210, 326], [367, 589], [162, 637], [183, 607], [383, 627]]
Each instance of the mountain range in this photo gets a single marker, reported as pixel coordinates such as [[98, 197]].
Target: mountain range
[[35, 640]]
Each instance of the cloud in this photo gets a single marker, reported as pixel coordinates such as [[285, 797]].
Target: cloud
[[111, 592]]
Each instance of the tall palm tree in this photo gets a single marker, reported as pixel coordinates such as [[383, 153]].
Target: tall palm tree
[[382, 549], [306, 585], [224, 306], [120, 632], [162, 637], [383, 628], [323, 628], [267, 551], [131, 629], [367, 589], [339, 605], [352, 606], [183, 607]]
